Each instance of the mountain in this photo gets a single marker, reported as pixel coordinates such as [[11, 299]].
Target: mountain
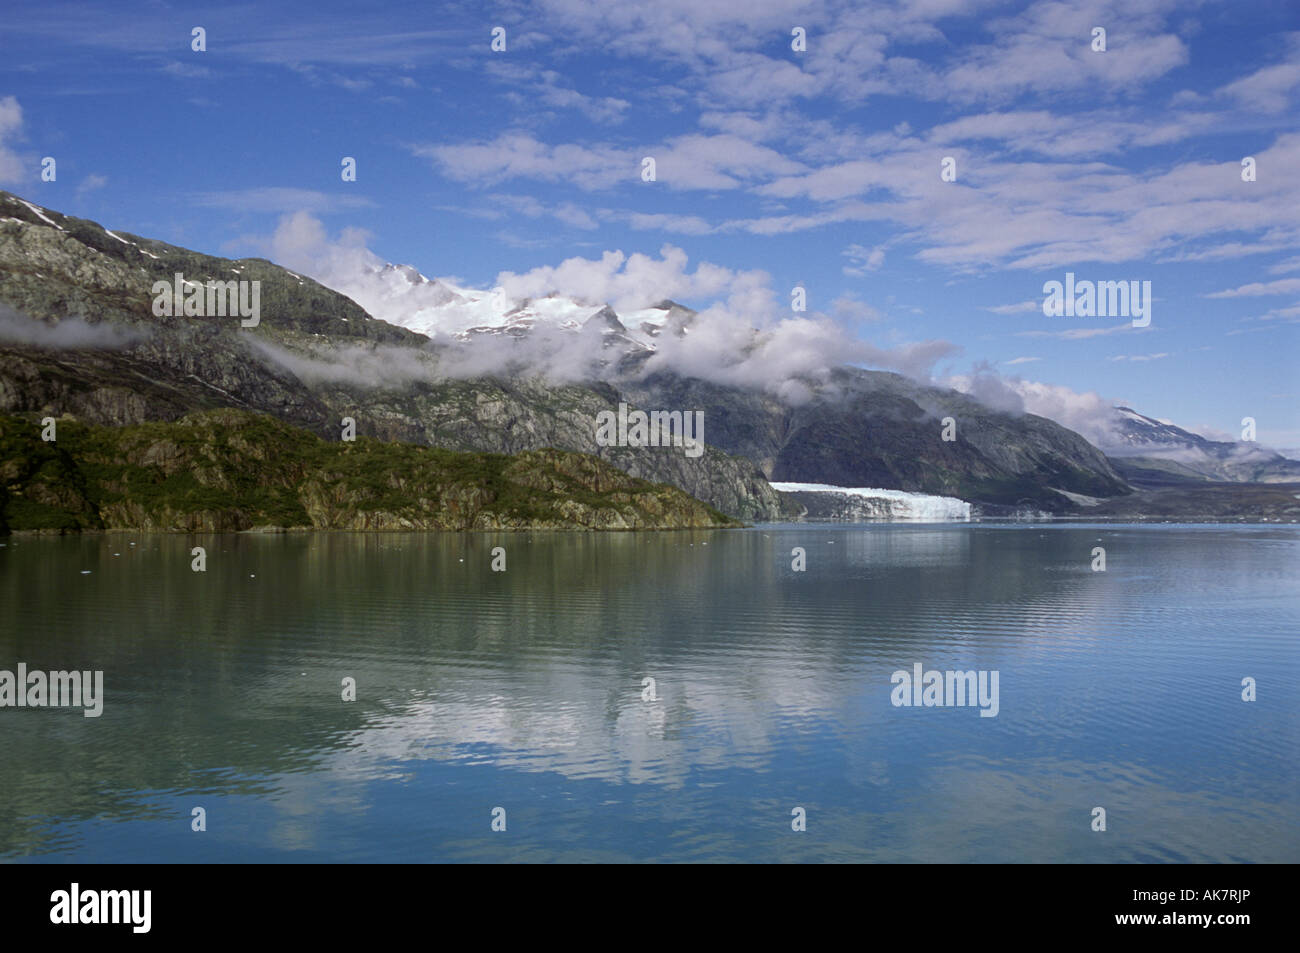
[[855, 428], [81, 338], [479, 371], [1150, 451], [230, 470], [863, 428], [444, 312]]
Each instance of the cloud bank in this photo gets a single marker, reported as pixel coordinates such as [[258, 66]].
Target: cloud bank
[[70, 334], [746, 336]]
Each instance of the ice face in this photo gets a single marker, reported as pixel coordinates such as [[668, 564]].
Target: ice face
[[854, 502]]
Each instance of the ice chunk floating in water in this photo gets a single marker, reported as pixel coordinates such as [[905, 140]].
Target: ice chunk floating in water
[[824, 501]]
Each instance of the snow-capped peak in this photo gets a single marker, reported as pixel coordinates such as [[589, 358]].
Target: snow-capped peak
[[443, 309], [1134, 415]]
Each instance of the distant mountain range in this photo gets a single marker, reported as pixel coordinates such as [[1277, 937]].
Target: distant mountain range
[[1139, 446], [477, 371], [1153, 451]]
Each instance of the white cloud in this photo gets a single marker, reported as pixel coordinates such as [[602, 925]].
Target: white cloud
[[1046, 49], [186, 70], [746, 337], [519, 155], [12, 168], [863, 260], [1279, 287], [1086, 413], [1024, 307], [546, 88], [694, 161], [1082, 334], [628, 282], [565, 212], [663, 222], [1036, 215], [1270, 88], [301, 243], [856, 51], [72, 333], [849, 309]]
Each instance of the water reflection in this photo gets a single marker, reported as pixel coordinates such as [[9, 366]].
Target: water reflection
[[478, 688]]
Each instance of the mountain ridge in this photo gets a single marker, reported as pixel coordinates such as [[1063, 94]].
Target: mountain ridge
[[318, 356], [1157, 452]]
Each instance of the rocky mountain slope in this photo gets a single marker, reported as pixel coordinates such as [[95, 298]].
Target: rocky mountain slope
[[229, 470], [859, 428], [1150, 451], [80, 338], [877, 429]]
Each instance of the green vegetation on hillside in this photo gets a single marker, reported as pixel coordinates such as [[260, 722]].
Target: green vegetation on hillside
[[228, 470]]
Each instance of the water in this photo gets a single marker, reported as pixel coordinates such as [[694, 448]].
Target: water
[[523, 689]]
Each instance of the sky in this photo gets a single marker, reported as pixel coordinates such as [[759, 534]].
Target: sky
[[774, 167]]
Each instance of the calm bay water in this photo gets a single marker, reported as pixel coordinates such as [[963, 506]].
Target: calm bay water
[[523, 689]]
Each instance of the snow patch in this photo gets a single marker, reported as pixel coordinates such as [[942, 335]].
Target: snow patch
[[39, 212], [1078, 498]]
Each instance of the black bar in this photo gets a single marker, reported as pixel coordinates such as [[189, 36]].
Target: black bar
[[331, 903]]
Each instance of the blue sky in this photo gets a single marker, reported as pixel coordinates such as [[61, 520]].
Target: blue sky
[[774, 167]]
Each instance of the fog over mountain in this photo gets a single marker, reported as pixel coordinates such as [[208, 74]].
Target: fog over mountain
[[1123, 433], [71, 333], [533, 362], [747, 336], [573, 321]]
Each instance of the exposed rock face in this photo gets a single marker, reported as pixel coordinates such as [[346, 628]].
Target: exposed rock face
[[1149, 453], [57, 269], [499, 416], [872, 428], [229, 470], [858, 428]]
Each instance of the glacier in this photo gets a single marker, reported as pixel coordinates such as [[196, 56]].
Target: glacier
[[856, 503]]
